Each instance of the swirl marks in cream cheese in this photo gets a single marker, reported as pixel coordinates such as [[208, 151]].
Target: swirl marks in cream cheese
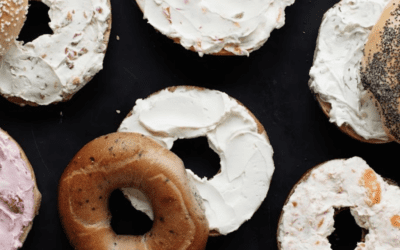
[[209, 26], [233, 195], [337, 184], [335, 74], [16, 194], [54, 67]]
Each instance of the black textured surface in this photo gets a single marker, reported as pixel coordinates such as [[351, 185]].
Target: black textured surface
[[272, 83]]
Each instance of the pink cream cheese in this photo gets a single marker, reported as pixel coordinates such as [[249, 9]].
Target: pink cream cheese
[[16, 189]]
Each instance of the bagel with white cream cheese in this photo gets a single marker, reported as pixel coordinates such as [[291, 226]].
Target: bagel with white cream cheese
[[52, 68], [216, 27], [335, 77], [234, 194]]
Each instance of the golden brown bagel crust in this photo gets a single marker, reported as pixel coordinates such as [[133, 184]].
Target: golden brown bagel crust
[[345, 128], [129, 160], [21, 102], [37, 195]]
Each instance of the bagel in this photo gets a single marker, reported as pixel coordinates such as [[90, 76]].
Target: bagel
[[19, 195], [129, 160], [345, 127], [307, 217], [380, 68], [218, 28], [53, 67], [235, 193], [335, 77], [12, 18]]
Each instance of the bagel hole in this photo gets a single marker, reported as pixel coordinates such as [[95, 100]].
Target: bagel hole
[[347, 233], [37, 22], [198, 156], [126, 220]]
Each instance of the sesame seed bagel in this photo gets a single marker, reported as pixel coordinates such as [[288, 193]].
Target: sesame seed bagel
[[124, 160], [16, 203], [12, 18]]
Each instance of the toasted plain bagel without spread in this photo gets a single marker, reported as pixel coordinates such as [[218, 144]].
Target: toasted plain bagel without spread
[[123, 160]]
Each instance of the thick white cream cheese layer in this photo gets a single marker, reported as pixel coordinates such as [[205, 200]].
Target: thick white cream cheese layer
[[308, 217], [238, 26], [335, 74], [54, 67], [233, 195]]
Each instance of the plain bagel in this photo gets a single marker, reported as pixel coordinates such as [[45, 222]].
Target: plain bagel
[[124, 160], [234, 194], [217, 28]]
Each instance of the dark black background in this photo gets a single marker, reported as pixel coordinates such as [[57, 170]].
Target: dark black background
[[272, 83]]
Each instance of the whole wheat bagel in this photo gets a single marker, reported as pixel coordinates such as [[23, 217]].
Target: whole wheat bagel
[[14, 205], [124, 160]]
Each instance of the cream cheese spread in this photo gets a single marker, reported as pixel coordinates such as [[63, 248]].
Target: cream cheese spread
[[16, 194], [335, 74], [52, 68], [208, 26], [233, 195], [308, 216]]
